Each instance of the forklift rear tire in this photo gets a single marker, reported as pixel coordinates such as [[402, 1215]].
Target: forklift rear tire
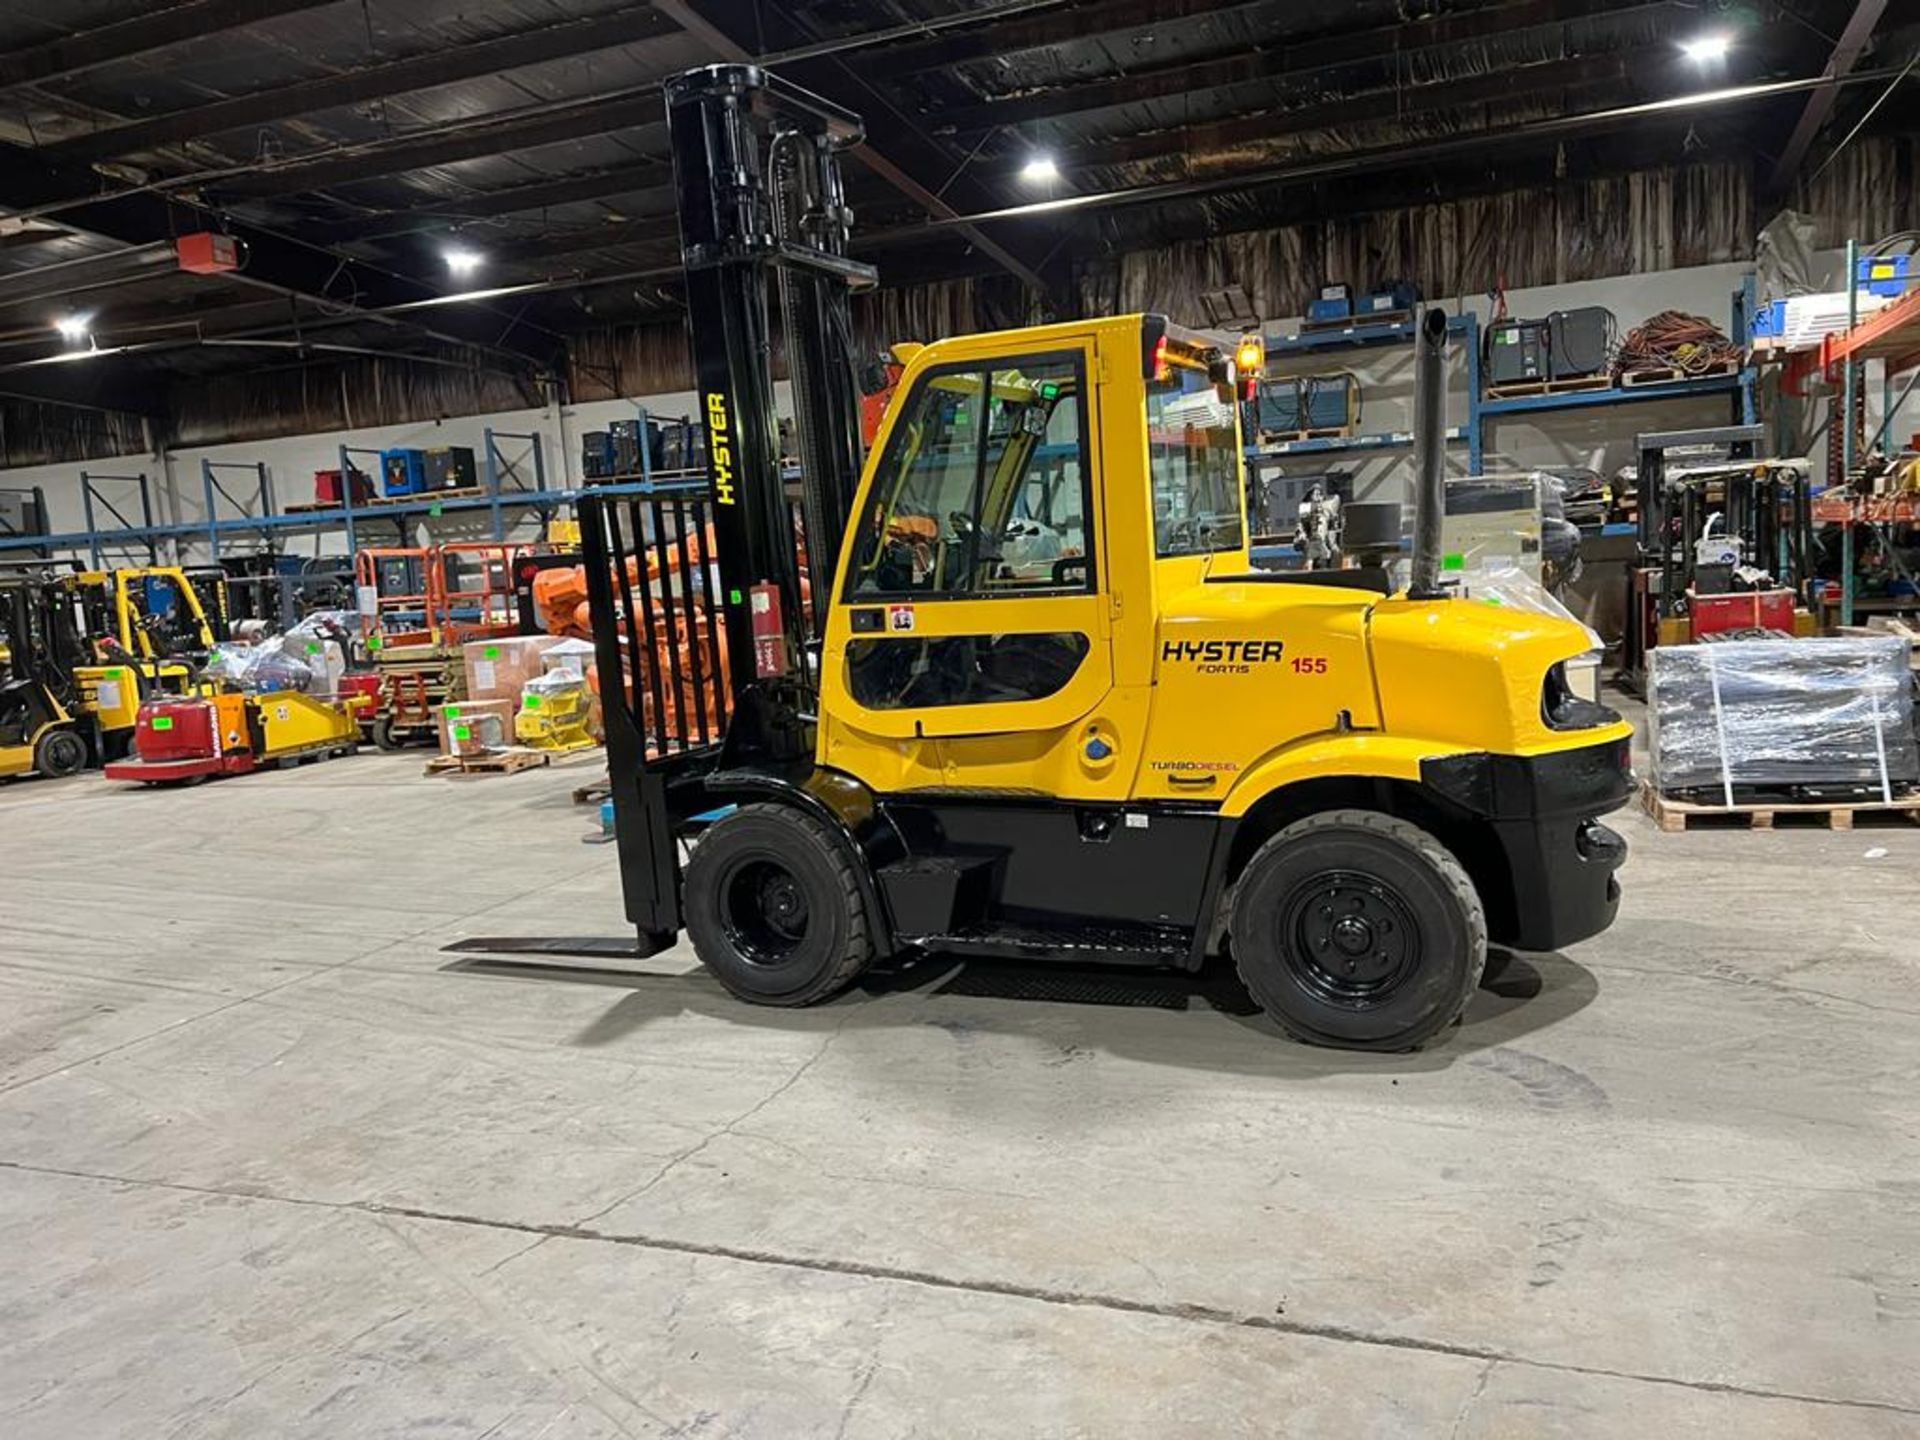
[[383, 736], [60, 753], [1360, 930], [774, 907]]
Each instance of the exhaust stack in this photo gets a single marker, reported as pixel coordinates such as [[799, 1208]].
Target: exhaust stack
[[1429, 453]]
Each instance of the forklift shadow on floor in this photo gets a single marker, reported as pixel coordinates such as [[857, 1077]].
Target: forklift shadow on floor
[[1519, 995]]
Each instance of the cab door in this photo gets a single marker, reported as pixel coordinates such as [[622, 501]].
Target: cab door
[[971, 639]]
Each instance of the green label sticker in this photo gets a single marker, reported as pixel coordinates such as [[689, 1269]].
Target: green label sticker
[[433, 509], [733, 596], [463, 732], [492, 652], [313, 647], [114, 674], [374, 642], [1453, 562], [530, 702], [162, 722], [453, 712]]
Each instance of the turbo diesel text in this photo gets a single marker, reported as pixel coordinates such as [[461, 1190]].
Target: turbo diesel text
[[1223, 657]]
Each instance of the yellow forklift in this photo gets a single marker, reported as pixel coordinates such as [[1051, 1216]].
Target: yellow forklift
[[44, 728], [144, 632], [1113, 742]]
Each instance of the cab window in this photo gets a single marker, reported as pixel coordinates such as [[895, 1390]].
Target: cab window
[[983, 488], [1193, 449]]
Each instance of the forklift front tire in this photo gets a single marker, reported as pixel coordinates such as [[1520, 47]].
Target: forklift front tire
[[60, 753], [774, 907], [383, 736], [1360, 930]]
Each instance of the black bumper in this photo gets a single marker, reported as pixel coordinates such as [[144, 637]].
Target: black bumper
[[1543, 814]]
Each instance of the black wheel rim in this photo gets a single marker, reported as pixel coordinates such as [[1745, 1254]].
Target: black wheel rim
[[66, 752], [1349, 939], [763, 907]]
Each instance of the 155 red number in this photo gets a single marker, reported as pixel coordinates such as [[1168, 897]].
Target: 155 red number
[[1310, 664]]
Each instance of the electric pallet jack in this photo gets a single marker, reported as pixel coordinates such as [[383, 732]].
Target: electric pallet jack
[[181, 739]]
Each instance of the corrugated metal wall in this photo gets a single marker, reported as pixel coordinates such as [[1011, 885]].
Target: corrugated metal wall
[[637, 360], [629, 360], [32, 434], [1663, 219], [336, 395]]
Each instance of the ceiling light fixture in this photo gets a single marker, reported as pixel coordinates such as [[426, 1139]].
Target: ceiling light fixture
[[1708, 49], [74, 329], [1040, 169], [460, 260]]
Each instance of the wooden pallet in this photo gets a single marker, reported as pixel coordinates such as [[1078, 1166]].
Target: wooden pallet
[[1669, 374], [1520, 389], [593, 792], [1288, 437], [381, 502], [498, 762], [1675, 816]]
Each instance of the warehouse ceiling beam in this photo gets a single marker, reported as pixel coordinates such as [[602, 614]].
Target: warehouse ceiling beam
[[1282, 62], [372, 82], [1813, 115], [271, 261], [443, 212], [1056, 26], [1585, 75], [1554, 129], [140, 35], [445, 145], [896, 148], [83, 273]]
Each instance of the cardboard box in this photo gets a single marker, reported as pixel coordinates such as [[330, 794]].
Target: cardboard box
[[473, 727], [499, 668]]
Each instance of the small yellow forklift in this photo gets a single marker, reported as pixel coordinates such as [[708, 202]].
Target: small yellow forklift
[[1029, 697], [44, 728], [145, 632]]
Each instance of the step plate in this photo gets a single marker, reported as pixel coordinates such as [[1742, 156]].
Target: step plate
[[1091, 944]]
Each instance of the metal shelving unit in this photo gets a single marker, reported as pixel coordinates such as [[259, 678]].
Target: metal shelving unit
[[1363, 336], [1890, 335], [1484, 411], [513, 472], [1737, 383], [97, 538]]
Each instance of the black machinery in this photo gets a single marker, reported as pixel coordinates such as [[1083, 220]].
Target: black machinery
[[1567, 345], [1713, 519]]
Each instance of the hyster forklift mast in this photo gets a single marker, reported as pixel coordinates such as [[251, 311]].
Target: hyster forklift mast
[[756, 166], [1048, 709]]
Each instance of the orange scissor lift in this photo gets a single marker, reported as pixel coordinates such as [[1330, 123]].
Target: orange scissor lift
[[421, 604]]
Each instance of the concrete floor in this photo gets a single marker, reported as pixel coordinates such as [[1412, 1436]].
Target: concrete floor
[[272, 1164]]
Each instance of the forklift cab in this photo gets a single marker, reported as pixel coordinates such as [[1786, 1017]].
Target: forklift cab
[[151, 614]]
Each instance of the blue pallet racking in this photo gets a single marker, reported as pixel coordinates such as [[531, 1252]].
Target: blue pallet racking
[[513, 478]]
